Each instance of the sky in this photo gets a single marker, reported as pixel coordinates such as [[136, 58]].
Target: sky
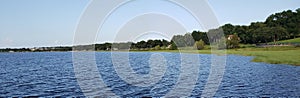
[[38, 23]]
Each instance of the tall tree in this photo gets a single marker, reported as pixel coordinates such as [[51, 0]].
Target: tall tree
[[228, 29], [165, 43], [278, 33], [196, 35]]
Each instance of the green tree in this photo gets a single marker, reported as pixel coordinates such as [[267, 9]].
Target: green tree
[[165, 43], [158, 42], [173, 46], [286, 19], [228, 29], [150, 44], [278, 33], [141, 44], [196, 35], [241, 31]]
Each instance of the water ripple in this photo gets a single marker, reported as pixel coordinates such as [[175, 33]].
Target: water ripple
[[51, 74]]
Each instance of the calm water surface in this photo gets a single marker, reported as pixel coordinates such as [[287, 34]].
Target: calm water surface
[[51, 74]]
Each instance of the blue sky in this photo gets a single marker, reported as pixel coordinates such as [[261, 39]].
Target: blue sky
[[35, 23]]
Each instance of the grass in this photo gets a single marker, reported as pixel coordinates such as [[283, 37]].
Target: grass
[[296, 40], [274, 55]]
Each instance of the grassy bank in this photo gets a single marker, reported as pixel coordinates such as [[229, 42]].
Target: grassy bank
[[273, 55], [296, 40]]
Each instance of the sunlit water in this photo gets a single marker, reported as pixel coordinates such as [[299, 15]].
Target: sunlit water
[[51, 74]]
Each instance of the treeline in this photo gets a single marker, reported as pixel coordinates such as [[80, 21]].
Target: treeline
[[37, 49], [15, 50], [278, 26], [141, 45]]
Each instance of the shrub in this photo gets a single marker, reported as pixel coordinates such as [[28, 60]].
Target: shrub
[[173, 46], [199, 45], [233, 42], [163, 48], [157, 47]]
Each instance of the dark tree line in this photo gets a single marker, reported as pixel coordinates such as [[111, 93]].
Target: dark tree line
[[141, 45], [278, 26], [37, 49], [15, 50]]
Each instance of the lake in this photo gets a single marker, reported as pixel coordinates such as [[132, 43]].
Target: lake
[[52, 74]]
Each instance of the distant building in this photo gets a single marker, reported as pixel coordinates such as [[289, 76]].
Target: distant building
[[33, 49], [230, 37]]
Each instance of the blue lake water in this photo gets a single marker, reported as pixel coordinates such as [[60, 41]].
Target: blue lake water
[[51, 74]]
